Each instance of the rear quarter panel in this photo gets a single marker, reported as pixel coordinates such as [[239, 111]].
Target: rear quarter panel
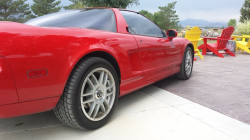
[[57, 50], [8, 93]]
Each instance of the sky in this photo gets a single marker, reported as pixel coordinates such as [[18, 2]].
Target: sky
[[210, 10]]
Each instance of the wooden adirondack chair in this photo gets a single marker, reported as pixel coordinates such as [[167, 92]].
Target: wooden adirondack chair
[[242, 45], [193, 35], [220, 45]]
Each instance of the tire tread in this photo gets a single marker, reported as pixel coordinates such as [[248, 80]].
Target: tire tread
[[63, 110]]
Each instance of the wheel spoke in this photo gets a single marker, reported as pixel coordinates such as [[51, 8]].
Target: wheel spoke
[[105, 79], [109, 87], [91, 109], [90, 84], [110, 93], [188, 70], [95, 79], [102, 108], [87, 94], [101, 77], [189, 55], [88, 101], [106, 103], [96, 110]]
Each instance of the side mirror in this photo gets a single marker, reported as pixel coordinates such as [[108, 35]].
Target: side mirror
[[171, 34]]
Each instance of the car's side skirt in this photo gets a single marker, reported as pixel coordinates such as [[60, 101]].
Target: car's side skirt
[[140, 82], [26, 108]]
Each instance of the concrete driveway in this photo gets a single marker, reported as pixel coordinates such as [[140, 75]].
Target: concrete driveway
[[147, 114], [170, 109]]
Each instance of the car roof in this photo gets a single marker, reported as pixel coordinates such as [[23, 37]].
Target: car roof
[[121, 9]]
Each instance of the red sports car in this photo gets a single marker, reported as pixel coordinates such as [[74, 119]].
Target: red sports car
[[78, 62]]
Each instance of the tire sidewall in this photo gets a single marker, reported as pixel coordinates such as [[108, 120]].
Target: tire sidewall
[[80, 117]]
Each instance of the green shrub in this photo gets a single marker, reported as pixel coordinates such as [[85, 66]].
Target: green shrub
[[243, 28]]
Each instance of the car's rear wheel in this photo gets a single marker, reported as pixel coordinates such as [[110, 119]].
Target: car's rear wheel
[[90, 96], [186, 65]]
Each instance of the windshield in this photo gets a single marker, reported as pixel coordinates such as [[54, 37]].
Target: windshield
[[99, 19]]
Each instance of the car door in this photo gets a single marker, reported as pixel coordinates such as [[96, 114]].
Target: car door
[[157, 54]]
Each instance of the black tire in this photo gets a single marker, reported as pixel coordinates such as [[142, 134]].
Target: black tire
[[182, 75], [69, 109]]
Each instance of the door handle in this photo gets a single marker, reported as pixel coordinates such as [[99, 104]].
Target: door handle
[[140, 40]]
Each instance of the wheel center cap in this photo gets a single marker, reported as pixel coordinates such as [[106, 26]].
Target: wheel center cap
[[99, 94]]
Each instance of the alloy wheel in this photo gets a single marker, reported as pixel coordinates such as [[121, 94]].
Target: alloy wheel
[[98, 94]]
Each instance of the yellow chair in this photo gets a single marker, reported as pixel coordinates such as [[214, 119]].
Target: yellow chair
[[242, 45], [193, 35]]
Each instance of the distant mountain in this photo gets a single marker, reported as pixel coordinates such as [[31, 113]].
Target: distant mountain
[[201, 23]]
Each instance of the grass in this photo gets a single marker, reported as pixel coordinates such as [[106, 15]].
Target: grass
[[201, 42]]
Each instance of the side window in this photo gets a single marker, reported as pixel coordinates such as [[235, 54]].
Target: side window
[[98, 19], [141, 25]]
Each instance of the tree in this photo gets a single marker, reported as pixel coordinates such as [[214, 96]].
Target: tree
[[166, 18], [245, 11], [110, 3], [232, 22], [14, 10], [77, 4], [43, 7], [147, 14], [157, 18]]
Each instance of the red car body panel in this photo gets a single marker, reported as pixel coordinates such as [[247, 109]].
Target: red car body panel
[[8, 93], [30, 107], [35, 62]]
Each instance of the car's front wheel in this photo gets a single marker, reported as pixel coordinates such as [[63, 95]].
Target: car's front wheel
[[186, 65], [90, 96]]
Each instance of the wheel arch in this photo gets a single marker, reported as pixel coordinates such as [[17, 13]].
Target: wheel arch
[[105, 55]]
